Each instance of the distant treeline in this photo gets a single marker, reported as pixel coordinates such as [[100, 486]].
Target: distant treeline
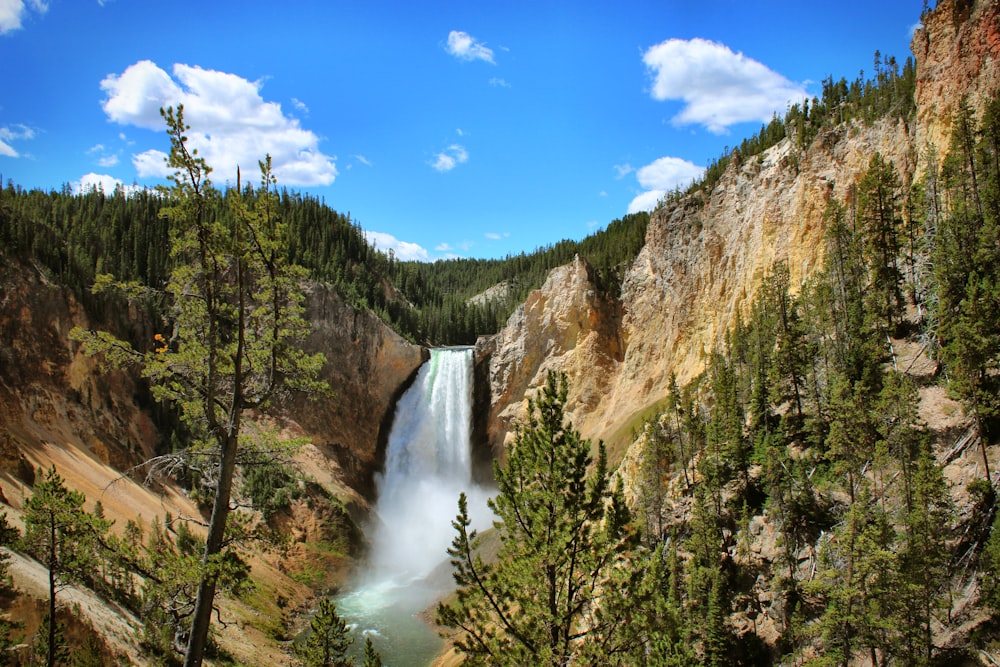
[[76, 237]]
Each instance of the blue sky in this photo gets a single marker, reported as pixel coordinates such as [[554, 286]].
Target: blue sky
[[476, 129]]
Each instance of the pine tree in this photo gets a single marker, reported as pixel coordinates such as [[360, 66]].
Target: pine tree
[[659, 615], [561, 540], [49, 644], [61, 535], [967, 268], [923, 556], [880, 222], [991, 567], [371, 657], [708, 591], [328, 641], [237, 331]]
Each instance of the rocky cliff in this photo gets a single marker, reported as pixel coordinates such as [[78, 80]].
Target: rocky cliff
[[58, 408], [51, 395], [368, 366], [957, 49], [705, 256]]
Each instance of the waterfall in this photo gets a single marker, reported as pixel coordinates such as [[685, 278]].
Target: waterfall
[[427, 465]]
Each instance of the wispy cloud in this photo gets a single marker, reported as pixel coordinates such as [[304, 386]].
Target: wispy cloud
[[300, 106], [14, 12], [403, 250], [719, 88], [623, 170], [450, 158], [363, 160], [450, 251], [464, 46], [231, 123], [497, 82], [13, 133], [103, 157], [660, 177]]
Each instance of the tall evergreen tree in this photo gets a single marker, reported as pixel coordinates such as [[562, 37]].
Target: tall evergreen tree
[[238, 327], [562, 538], [880, 223], [62, 536], [967, 268], [371, 656]]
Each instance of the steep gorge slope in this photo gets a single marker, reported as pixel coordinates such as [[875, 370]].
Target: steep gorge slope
[[52, 394]]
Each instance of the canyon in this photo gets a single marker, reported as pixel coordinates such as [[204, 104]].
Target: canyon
[[704, 259]]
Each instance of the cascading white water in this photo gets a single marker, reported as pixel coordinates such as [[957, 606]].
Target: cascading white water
[[427, 466]]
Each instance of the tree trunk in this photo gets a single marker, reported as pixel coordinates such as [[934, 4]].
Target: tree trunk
[[202, 616], [51, 658]]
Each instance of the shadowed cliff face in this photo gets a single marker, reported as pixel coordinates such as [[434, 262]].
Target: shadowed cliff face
[[706, 256], [51, 395], [368, 366]]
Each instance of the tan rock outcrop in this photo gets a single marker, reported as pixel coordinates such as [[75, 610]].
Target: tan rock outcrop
[[567, 325], [702, 263], [957, 50]]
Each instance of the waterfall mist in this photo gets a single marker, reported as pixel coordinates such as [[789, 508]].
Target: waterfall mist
[[428, 464]]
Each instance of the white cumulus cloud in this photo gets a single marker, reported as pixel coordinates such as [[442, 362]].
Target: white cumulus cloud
[[450, 158], [151, 163], [13, 12], [102, 182], [231, 124], [404, 250], [660, 177], [719, 88], [464, 46]]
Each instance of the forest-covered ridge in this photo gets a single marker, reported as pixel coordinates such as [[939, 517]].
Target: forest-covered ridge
[[76, 237]]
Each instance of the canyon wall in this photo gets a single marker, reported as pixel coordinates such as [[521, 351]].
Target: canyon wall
[[706, 255], [53, 397]]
